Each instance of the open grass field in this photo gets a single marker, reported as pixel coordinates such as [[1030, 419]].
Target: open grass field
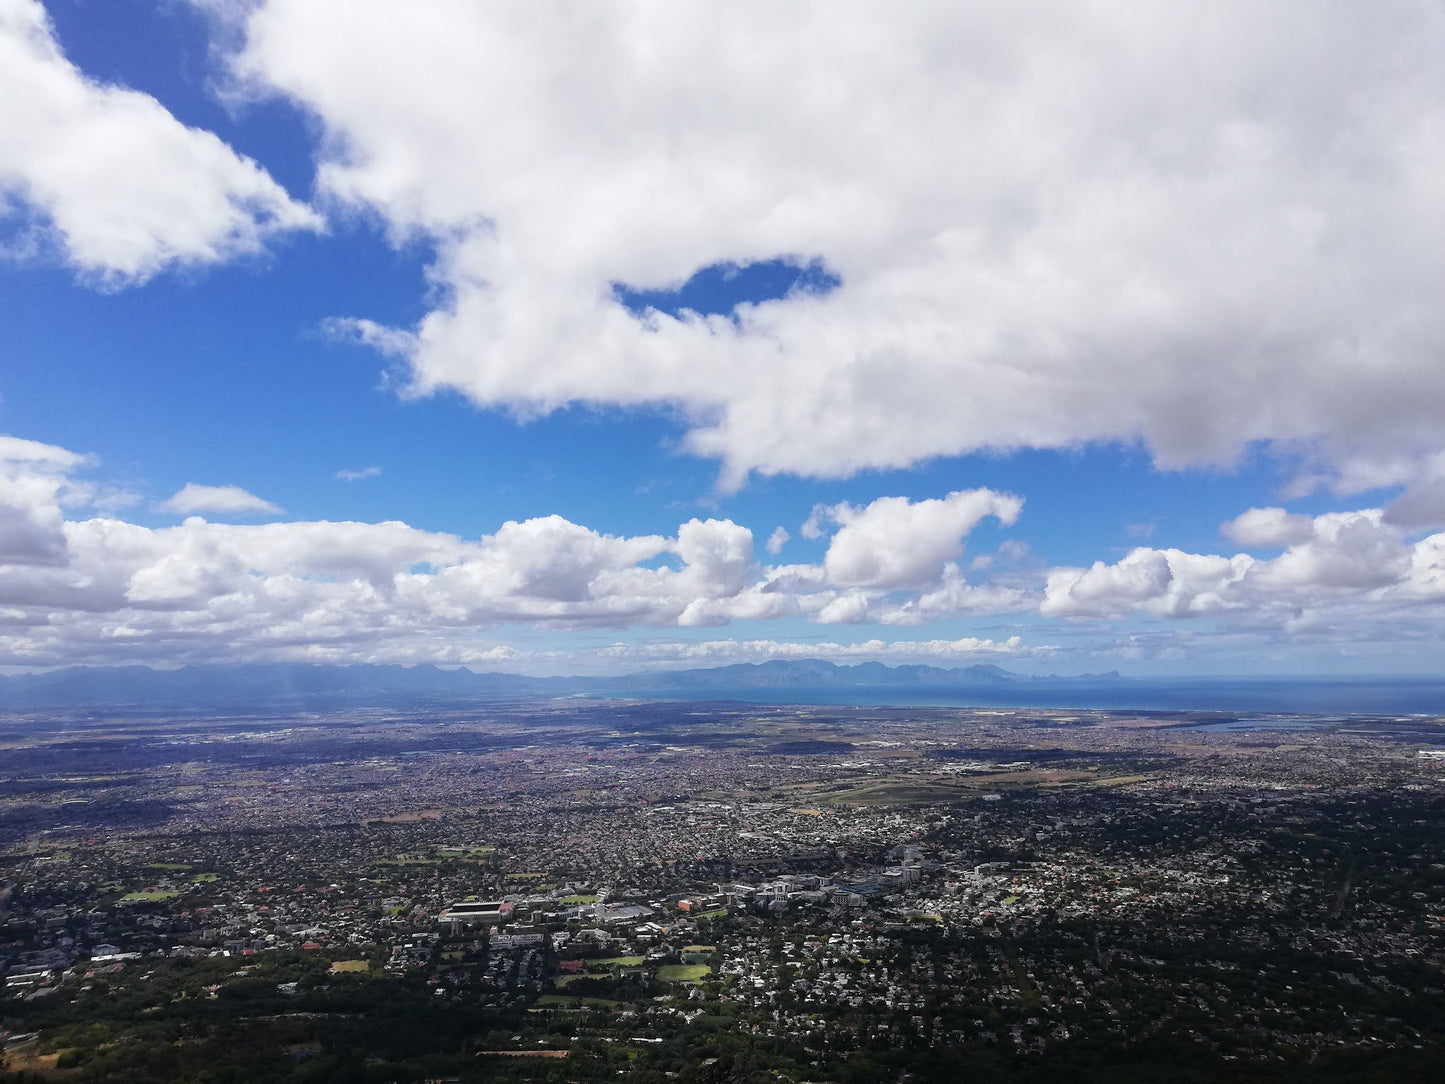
[[689, 973], [438, 856], [150, 896], [27, 1058], [350, 967], [410, 817]]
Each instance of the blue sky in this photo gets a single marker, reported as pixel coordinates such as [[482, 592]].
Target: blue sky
[[509, 271]]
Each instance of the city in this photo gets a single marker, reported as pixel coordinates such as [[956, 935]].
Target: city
[[722, 543], [559, 889]]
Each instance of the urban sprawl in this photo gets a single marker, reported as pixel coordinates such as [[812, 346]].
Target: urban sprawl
[[573, 890]]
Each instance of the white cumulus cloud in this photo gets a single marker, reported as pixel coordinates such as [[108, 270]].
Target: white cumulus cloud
[[895, 542], [82, 587], [1177, 224], [1268, 527], [193, 499], [1350, 575], [124, 188], [358, 475]]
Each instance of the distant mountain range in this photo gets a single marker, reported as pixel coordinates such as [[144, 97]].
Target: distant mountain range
[[275, 684]]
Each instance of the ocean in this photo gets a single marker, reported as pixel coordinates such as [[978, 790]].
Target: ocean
[[1302, 696]]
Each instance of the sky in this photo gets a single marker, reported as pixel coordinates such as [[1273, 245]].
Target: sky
[[560, 339]]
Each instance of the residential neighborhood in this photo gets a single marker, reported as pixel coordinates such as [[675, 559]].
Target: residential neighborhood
[[841, 884]]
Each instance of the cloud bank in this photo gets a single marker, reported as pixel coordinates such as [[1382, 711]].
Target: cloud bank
[[77, 587], [1344, 576], [103, 589]]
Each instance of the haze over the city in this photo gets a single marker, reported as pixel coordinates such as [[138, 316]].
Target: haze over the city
[[552, 341]]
